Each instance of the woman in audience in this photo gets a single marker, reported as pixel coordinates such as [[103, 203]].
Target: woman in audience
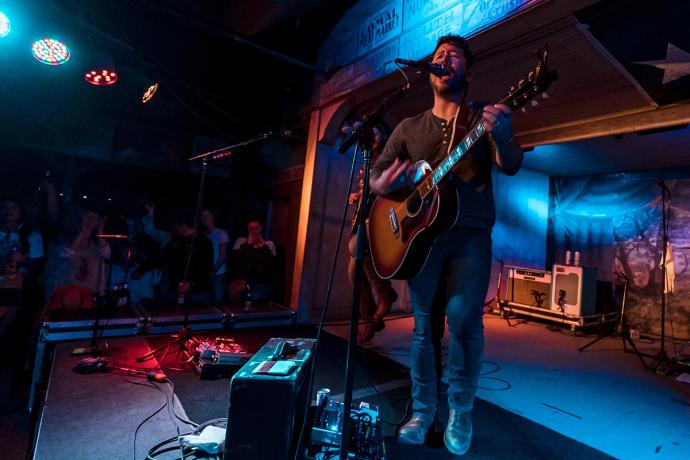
[[21, 254], [77, 261]]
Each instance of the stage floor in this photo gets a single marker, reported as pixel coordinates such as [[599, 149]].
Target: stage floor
[[601, 397], [96, 415]]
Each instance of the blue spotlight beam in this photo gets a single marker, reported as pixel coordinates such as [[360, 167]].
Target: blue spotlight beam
[[5, 26]]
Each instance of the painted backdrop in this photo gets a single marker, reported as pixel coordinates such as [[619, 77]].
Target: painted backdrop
[[615, 221]]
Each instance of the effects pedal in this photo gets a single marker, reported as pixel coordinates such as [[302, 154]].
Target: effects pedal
[[366, 436], [216, 359]]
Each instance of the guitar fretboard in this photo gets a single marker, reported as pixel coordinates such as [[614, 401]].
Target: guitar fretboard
[[451, 160]]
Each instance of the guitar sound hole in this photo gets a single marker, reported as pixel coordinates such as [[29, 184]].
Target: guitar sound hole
[[414, 203]]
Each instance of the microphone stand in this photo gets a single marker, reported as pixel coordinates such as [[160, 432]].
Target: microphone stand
[[103, 304], [183, 287], [361, 136], [664, 364]]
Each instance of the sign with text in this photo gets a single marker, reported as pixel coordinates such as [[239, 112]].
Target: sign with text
[[418, 11], [380, 27], [465, 18], [404, 28], [420, 42]]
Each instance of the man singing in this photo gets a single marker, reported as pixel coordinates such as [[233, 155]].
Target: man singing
[[460, 259]]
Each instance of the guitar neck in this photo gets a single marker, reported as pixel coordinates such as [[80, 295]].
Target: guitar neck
[[451, 160], [458, 152]]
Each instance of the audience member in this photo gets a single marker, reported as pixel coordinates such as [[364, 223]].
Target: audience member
[[219, 238], [21, 250], [252, 265], [186, 260], [132, 265], [77, 261], [21, 254]]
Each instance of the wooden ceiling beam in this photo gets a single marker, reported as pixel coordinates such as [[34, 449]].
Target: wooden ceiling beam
[[622, 123]]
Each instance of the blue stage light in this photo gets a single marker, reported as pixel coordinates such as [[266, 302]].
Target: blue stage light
[[4, 25]]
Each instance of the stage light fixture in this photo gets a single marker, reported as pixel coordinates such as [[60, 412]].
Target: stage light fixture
[[4, 25], [101, 77], [149, 93], [50, 51]]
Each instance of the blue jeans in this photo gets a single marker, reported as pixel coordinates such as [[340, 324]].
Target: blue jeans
[[460, 261]]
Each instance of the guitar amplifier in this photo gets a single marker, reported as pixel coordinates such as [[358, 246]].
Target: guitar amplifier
[[529, 288], [574, 290], [268, 401]]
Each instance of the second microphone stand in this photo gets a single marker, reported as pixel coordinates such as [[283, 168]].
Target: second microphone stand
[[362, 136]]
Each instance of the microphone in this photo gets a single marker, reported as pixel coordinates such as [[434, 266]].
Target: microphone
[[437, 69]]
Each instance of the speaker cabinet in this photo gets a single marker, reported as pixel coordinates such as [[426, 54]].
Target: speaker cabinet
[[529, 288], [574, 290], [266, 407]]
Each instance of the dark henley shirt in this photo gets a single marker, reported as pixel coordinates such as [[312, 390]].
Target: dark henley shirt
[[426, 137]]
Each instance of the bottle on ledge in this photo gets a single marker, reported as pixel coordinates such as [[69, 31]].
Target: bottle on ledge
[[247, 297]]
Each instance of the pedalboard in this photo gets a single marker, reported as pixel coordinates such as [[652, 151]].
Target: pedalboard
[[215, 359], [366, 436]]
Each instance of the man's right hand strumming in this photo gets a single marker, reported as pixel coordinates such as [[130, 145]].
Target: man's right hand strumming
[[393, 178]]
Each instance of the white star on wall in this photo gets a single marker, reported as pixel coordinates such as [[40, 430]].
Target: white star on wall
[[675, 66]]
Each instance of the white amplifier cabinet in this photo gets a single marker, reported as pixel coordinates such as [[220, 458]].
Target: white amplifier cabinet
[[574, 290]]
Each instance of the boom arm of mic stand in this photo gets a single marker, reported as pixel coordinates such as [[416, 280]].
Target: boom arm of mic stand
[[204, 155], [372, 118]]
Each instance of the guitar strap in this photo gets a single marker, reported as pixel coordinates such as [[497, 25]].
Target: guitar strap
[[461, 119]]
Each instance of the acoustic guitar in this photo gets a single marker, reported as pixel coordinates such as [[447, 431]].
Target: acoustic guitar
[[403, 226]]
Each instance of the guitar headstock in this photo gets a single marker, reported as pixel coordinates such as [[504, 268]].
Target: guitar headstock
[[536, 83]]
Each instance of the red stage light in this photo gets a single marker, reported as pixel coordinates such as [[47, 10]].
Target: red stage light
[[102, 77]]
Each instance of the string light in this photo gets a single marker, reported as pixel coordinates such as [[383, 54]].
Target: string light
[[51, 51]]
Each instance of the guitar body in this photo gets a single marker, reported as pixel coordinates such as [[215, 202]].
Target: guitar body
[[402, 229]]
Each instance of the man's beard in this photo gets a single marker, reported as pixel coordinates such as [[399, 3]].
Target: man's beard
[[453, 86]]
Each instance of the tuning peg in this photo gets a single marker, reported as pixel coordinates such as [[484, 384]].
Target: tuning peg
[[545, 95], [534, 103]]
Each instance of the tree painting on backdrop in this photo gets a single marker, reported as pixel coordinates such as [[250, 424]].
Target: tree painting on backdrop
[[638, 255]]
